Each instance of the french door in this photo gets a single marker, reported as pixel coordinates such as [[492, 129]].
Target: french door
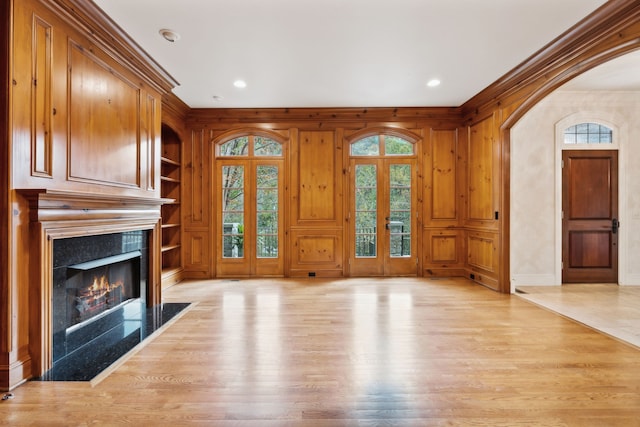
[[383, 217], [249, 218]]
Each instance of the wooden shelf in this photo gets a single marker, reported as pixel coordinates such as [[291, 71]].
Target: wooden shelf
[[170, 248], [170, 161], [168, 179], [170, 188]]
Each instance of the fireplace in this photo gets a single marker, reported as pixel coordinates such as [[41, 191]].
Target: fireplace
[[72, 237], [97, 281]]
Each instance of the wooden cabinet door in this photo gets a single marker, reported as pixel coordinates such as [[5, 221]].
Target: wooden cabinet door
[[590, 216]]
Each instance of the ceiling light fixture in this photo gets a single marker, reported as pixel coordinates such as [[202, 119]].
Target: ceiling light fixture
[[433, 83], [169, 35], [241, 84]]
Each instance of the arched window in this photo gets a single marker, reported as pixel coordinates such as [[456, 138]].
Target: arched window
[[250, 146], [382, 145], [588, 133]]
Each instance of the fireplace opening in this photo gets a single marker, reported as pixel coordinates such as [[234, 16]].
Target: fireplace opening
[[97, 287]]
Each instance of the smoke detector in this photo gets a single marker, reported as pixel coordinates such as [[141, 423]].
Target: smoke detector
[[169, 35]]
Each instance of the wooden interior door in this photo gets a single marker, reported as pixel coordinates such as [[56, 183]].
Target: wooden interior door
[[383, 219], [590, 216]]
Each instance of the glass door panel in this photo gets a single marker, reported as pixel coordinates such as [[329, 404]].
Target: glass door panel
[[233, 211], [366, 210], [267, 192], [399, 223]]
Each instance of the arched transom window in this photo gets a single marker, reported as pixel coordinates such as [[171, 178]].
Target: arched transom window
[[382, 145], [250, 146], [588, 133]]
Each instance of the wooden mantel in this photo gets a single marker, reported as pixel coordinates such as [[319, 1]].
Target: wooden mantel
[[65, 206], [55, 214]]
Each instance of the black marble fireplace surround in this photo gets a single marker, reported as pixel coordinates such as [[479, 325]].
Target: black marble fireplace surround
[[92, 329]]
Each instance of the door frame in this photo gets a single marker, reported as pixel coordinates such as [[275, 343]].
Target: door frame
[[417, 234], [591, 226], [281, 137], [620, 138]]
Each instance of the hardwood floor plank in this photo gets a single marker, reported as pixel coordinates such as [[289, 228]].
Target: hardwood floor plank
[[353, 352]]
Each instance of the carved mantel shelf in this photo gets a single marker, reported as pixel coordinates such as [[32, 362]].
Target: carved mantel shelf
[[57, 205]]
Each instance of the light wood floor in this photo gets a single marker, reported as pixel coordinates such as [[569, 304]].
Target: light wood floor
[[356, 352]]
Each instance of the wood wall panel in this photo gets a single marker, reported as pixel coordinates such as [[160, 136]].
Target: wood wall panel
[[42, 133], [482, 251], [441, 178], [197, 169], [316, 251], [317, 171], [443, 252], [480, 175], [481, 183], [104, 121], [197, 240], [150, 140], [444, 248], [197, 254]]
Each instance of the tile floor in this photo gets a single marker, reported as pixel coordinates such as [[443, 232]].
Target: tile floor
[[611, 309]]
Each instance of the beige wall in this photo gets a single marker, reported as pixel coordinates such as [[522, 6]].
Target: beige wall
[[536, 182]]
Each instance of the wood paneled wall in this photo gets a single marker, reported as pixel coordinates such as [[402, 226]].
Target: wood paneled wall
[[81, 121], [84, 125], [317, 180], [443, 196]]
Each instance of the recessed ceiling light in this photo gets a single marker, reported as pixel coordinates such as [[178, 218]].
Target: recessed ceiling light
[[169, 35], [433, 83], [240, 84]]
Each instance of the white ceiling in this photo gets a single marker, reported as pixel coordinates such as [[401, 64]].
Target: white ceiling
[[343, 53]]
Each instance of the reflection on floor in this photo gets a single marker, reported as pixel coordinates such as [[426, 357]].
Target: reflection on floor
[[611, 309]]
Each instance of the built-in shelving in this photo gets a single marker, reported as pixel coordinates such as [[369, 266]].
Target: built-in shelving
[[170, 175]]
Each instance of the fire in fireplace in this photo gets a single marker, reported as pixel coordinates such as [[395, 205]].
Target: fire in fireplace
[[97, 286], [97, 297]]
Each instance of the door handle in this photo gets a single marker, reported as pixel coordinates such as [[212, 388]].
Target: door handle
[[615, 224]]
